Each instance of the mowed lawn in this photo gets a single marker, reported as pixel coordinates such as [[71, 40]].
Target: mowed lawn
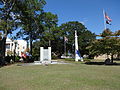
[[74, 76]]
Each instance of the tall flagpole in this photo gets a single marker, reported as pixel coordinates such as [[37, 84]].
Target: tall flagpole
[[104, 19], [64, 47]]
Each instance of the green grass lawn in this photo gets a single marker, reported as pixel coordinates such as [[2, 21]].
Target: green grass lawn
[[75, 76]]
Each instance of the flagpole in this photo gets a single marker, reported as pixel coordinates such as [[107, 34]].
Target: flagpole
[[104, 19], [64, 47]]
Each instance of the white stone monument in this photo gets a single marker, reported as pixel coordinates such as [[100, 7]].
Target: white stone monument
[[77, 53], [45, 55]]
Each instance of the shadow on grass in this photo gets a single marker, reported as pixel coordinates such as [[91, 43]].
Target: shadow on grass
[[116, 59], [102, 63]]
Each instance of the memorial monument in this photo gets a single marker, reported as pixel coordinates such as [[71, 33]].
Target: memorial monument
[[45, 55]]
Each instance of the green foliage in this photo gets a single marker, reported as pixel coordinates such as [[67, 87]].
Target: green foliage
[[36, 48], [84, 36], [69, 59], [17, 58], [117, 33], [54, 57], [56, 43], [7, 23], [56, 35], [106, 32], [87, 60], [50, 22], [10, 53], [0, 43], [31, 21], [109, 44], [23, 13]]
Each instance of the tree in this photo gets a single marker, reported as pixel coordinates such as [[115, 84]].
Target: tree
[[48, 36], [57, 34], [109, 44], [84, 36], [19, 12], [0, 44], [6, 22], [117, 33], [56, 43], [50, 21], [106, 33], [30, 11]]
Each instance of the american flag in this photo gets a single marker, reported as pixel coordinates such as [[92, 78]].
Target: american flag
[[107, 17]]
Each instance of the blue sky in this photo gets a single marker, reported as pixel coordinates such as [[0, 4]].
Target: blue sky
[[89, 12]]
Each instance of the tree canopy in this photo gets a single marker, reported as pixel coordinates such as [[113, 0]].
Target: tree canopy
[[109, 44], [41, 28], [67, 30], [23, 13], [84, 36]]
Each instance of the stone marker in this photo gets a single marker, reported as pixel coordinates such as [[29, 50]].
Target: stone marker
[[45, 55]]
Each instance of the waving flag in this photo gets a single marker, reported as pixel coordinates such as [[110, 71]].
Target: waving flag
[[78, 53], [107, 22], [108, 19]]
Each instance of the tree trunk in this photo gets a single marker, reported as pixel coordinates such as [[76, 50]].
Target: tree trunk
[[4, 46], [49, 38], [30, 46], [112, 58], [3, 50], [31, 43], [118, 56], [49, 43]]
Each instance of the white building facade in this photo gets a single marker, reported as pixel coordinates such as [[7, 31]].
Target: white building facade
[[16, 46]]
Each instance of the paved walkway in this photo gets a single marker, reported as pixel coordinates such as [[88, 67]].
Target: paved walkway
[[39, 63]]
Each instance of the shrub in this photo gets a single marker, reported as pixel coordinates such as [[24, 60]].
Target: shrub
[[17, 58]]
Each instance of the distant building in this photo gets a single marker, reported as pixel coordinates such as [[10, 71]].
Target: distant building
[[17, 45], [104, 56]]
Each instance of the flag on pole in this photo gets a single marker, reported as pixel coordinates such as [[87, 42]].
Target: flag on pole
[[65, 41], [108, 19], [107, 22], [78, 53]]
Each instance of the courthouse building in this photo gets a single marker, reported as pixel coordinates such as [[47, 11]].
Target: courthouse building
[[16, 46]]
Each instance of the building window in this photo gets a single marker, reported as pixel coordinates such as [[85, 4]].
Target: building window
[[7, 46], [18, 53]]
